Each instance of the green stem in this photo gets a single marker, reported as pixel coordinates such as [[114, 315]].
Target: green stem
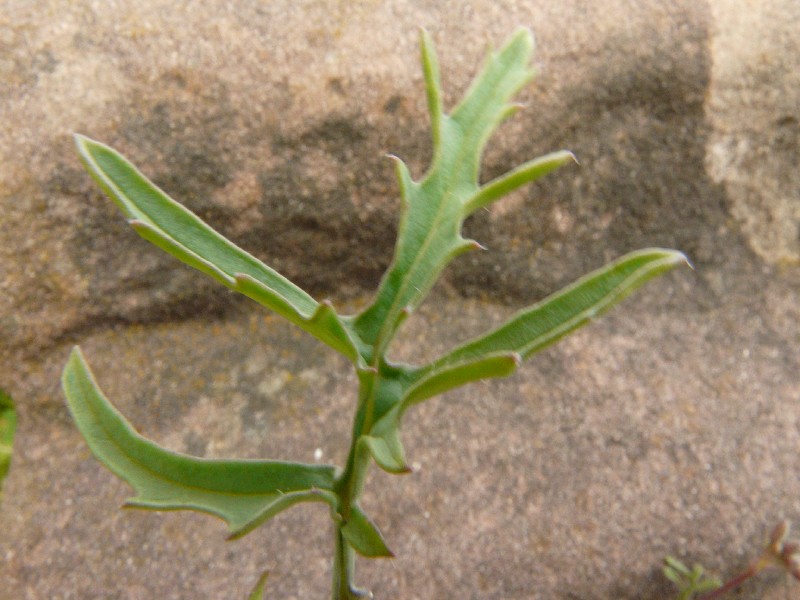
[[734, 583], [348, 488], [344, 559], [344, 563]]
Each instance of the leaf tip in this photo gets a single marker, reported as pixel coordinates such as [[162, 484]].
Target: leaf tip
[[676, 258], [86, 147], [510, 110], [525, 35], [83, 142], [402, 173], [466, 245], [258, 590], [476, 245], [571, 156], [75, 364], [424, 34], [401, 467]]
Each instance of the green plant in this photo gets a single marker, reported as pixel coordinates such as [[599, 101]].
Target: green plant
[[689, 581], [778, 553], [247, 493]]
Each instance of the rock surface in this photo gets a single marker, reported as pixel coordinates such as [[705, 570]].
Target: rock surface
[[672, 426]]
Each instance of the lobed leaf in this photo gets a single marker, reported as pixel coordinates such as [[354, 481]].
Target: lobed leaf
[[175, 229], [243, 493], [434, 208], [8, 426]]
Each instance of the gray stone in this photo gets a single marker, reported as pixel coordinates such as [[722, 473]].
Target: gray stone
[[672, 426]]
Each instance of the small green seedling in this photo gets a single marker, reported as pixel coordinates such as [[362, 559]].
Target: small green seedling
[[247, 493], [690, 582], [779, 552]]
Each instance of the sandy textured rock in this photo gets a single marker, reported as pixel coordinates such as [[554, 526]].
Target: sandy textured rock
[[273, 121], [754, 108], [672, 426], [664, 428]]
